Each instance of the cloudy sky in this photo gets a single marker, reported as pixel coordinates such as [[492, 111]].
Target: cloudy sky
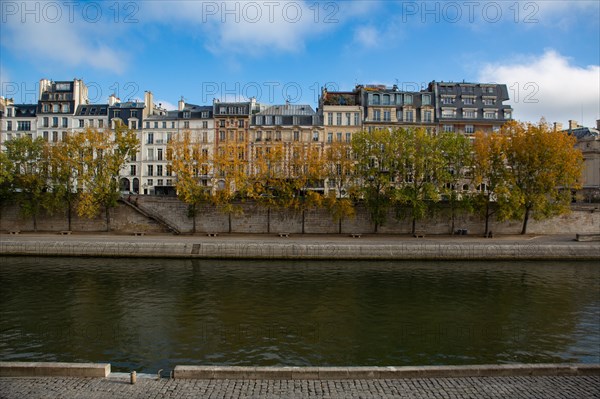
[[546, 52]]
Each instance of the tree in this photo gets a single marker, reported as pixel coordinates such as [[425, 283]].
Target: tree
[[544, 169], [230, 166], [457, 153], [422, 167], [191, 164], [103, 154], [7, 190], [490, 176], [339, 168], [376, 164], [65, 173], [29, 159]]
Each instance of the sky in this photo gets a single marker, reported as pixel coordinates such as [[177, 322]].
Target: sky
[[546, 52]]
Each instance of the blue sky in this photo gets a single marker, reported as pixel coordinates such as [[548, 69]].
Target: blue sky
[[547, 52]]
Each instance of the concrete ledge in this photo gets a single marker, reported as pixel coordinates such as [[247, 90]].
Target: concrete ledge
[[345, 373], [587, 237], [54, 369]]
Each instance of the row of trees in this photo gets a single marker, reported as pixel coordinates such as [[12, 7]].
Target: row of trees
[[523, 171], [79, 173]]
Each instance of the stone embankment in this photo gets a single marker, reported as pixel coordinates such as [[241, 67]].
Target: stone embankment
[[374, 247]]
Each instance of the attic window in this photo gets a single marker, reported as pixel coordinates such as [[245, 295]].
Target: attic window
[[93, 111]]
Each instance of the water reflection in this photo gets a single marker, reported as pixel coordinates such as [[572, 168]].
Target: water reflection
[[148, 314]]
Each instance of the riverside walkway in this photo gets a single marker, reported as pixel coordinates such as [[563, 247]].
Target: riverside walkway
[[542, 387], [300, 246]]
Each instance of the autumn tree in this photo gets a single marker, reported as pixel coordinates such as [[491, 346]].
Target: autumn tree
[[490, 176], [65, 172], [376, 165], [339, 168], [544, 169], [192, 165], [457, 153], [102, 155], [421, 170], [29, 159], [230, 167], [7, 190]]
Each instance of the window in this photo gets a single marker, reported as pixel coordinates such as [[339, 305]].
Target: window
[[169, 173], [147, 125], [495, 129], [117, 113], [315, 136], [134, 114], [348, 119], [67, 108], [150, 170], [241, 136], [410, 116], [46, 123], [489, 101], [46, 108], [375, 99], [329, 137], [159, 171], [9, 125], [448, 113], [150, 182], [45, 136], [268, 120], [64, 136], [490, 90], [338, 118], [55, 121], [9, 112], [387, 116], [277, 120], [386, 99], [186, 114], [164, 125], [469, 114], [259, 136], [150, 138], [55, 137], [356, 118], [447, 100], [150, 154], [330, 118], [173, 125], [23, 125], [507, 115], [56, 108], [81, 123], [100, 122], [399, 115], [222, 123], [408, 99], [241, 122], [204, 114], [426, 99], [376, 115], [186, 124], [159, 154], [268, 135], [296, 135], [132, 170], [348, 137], [91, 122], [448, 128], [468, 100], [159, 182], [469, 129], [489, 115], [338, 137], [427, 116], [204, 125], [222, 135]]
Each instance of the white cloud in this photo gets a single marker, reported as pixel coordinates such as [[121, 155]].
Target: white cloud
[[366, 36], [59, 37], [549, 86], [166, 105], [245, 26]]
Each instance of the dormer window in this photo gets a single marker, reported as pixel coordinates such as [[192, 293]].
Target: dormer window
[[186, 114]]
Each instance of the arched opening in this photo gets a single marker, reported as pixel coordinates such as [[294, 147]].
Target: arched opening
[[125, 185], [136, 185]]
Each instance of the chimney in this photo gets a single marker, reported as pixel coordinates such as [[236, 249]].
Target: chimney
[[572, 124], [149, 102], [45, 84], [112, 100], [558, 126], [181, 104]]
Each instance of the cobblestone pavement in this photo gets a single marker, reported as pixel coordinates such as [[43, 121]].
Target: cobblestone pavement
[[434, 388]]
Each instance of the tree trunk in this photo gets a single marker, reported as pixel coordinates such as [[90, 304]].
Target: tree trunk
[[302, 221], [376, 226], [525, 220], [194, 222], [107, 209], [452, 217], [414, 226], [69, 213], [34, 222], [229, 221], [269, 220], [487, 217], [340, 226]]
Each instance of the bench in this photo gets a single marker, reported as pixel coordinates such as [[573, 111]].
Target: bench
[[355, 235], [419, 234], [284, 235], [14, 232], [65, 232], [139, 233], [212, 234]]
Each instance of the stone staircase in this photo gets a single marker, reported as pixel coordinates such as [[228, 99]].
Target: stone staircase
[[152, 215]]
